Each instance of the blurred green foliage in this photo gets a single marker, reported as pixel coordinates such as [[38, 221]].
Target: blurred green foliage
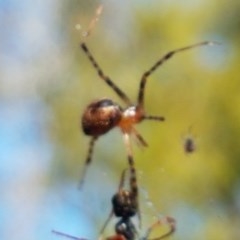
[[196, 90]]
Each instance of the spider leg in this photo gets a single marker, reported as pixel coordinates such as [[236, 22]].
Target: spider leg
[[67, 235], [88, 160], [159, 63], [167, 220], [133, 175], [122, 180], [120, 187], [108, 81], [155, 118], [139, 137], [106, 223]]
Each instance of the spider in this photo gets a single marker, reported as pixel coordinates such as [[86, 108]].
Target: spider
[[189, 143], [102, 115]]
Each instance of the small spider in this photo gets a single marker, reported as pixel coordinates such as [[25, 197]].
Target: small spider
[[189, 144]]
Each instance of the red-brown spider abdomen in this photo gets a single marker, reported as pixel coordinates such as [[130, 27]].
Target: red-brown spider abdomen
[[100, 116]]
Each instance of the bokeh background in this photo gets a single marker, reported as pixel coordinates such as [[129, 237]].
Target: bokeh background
[[46, 82]]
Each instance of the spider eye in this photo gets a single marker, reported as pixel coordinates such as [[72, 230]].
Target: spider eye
[[100, 117]]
